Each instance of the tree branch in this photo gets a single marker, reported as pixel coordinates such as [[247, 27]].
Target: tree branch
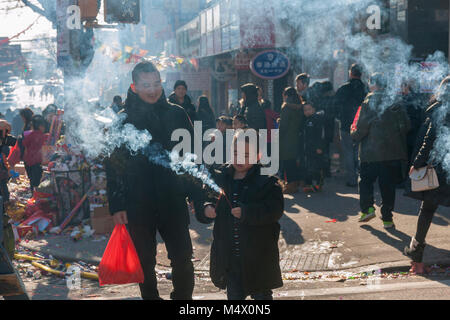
[[49, 14]]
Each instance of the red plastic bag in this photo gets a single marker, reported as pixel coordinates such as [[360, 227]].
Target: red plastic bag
[[120, 263]]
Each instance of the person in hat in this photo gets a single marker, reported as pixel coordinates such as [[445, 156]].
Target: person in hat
[[179, 96]]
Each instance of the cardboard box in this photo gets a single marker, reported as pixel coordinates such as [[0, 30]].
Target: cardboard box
[[101, 221]]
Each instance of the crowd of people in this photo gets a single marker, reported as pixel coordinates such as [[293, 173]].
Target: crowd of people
[[24, 133], [377, 142]]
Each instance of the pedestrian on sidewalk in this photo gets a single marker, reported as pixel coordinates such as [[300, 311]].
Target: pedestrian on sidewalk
[[49, 113], [416, 114], [314, 145], [324, 102], [179, 96], [251, 108], [150, 198], [205, 114], [381, 133], [244, 252], [27, 115], [348, 99], [291, 120], [272, 118], [117, 104], [265, 103], [33, 142], [438, 121], [223, 123], [6, 141], [302, 82]]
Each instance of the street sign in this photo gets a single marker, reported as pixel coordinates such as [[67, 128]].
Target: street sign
[[270, 65]]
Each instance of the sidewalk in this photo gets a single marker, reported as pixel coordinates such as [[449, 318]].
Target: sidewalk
[[319, 232]]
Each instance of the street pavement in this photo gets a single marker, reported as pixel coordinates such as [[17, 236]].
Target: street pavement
[[321, 239]]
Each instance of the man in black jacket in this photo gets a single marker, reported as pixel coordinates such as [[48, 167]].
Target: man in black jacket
[[251, 108], [381, 133], [180, 97], [348, 99], [148, 197]]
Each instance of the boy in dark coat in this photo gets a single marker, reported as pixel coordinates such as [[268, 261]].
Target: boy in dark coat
[[314, 144], [244, 252]]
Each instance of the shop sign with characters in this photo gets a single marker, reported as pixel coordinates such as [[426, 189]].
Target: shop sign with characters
[[270, 65]]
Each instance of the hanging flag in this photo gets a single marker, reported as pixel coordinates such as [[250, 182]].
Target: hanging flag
[[142, 53]]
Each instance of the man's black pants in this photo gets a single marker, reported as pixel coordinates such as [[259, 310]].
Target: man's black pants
[[179, 247], [388, 174]]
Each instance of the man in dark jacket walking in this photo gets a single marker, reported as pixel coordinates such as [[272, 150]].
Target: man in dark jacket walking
[[180, 97], [381, 134], [251, 108], [148, 197], [347, 100]]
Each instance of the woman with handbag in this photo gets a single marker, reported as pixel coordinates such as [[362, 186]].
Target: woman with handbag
[[429, 179]]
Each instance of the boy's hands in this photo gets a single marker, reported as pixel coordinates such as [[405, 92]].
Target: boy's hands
[[319, 151], [210, 212], [120, 218], [237, 212]]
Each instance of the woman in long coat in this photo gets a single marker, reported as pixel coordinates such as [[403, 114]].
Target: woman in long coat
[[290, 139], [431, 150]]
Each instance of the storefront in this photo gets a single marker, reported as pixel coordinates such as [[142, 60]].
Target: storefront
[[225, 38]]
